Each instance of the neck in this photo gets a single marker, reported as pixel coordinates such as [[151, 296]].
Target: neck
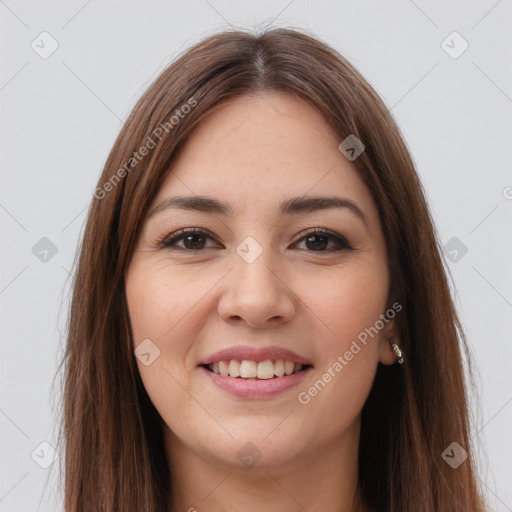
[[323, 479]]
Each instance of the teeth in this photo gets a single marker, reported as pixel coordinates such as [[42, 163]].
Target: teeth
[[265, 369], [297, 368], [247, 369], [223, 368], [279, 368], [234, 368]]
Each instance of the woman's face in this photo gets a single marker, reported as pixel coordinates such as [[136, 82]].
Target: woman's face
[[260, 288]]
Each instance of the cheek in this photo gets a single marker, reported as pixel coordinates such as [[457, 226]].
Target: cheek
[[348, 305], [161, 308], [159, 300], [349, 302]]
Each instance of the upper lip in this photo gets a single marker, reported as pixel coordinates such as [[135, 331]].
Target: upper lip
[[255, 354]]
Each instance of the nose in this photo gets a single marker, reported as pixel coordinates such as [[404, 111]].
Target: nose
[[258, 293]]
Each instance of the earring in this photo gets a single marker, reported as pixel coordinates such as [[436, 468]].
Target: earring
[[398, 352]]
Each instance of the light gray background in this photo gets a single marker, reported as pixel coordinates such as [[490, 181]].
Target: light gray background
[[60, 116]]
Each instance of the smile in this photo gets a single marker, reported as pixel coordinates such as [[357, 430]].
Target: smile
[[255, 372], [247, 369]]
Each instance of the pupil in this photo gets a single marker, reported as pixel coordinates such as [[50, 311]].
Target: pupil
[[193, 237], [318, 244]]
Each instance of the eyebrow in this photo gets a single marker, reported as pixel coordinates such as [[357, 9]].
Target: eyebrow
[[295, 205]]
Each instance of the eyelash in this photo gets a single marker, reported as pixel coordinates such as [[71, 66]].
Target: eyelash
[[168, 241]]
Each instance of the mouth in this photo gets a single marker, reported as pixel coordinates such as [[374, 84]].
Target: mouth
[[247, 369], [250, 372]]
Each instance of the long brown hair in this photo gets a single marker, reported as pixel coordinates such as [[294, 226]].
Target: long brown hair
[[111, 432]]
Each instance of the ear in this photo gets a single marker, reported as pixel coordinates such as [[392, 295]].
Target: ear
[[389, 333]]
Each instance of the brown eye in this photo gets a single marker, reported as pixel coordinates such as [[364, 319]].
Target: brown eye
[[193, 240], [317, 240]]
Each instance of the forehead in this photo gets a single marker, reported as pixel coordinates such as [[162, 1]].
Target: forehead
[[252, 151], [267, 127]]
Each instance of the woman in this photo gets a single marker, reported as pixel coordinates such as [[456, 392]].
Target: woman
[[261, 318]]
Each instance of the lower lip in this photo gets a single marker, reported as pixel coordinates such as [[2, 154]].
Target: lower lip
[[264, 388]]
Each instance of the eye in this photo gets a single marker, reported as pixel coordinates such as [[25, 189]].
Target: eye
[[316, 238], [190, 238], [319, 238]]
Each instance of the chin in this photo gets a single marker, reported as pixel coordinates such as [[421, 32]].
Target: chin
[[261, 449]]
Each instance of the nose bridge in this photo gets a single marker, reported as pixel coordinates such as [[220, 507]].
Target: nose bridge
[[255, 264], [256, 291]]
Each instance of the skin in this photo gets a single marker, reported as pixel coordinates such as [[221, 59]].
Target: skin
[[253, 152]]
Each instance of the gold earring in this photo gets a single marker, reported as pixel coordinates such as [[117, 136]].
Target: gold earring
[[398, 352]]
